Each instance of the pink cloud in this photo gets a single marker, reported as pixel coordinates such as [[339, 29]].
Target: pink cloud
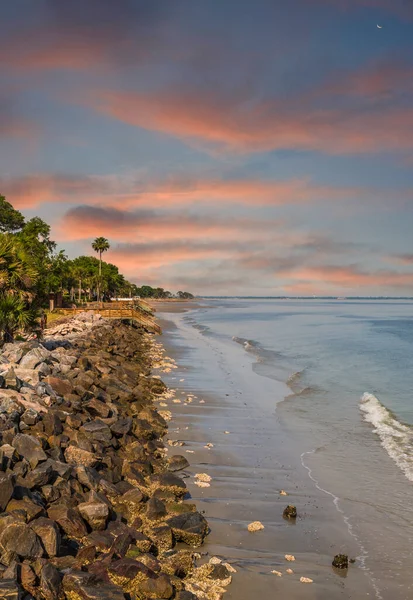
[[352, 277], [125, 193], [228, 124]]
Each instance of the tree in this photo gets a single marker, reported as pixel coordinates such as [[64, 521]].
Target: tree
[[18, 278], [10, 219], [184, 295], [100, 245], [15, 314]]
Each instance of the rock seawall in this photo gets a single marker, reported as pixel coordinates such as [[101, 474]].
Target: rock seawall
[[90, 508]]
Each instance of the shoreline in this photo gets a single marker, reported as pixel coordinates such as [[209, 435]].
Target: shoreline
[[246, 480], [91, 504]]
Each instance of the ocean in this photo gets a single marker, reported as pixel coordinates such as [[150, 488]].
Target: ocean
[[338, 377]]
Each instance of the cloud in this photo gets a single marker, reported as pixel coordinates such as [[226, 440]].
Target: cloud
[[80, 35], [341, 277], [231, 123], [127, 192], [12, 124], [85, 222]]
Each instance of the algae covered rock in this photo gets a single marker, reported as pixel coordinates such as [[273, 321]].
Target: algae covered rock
[[340, 561], [190, 528], [290, 512]]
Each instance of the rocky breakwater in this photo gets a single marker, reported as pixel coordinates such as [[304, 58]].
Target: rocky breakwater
[[90, 507]]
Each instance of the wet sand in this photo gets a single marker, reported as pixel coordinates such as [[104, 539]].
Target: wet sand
[[249, 466]]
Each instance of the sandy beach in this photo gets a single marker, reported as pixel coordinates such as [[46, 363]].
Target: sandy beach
[[249, 461]]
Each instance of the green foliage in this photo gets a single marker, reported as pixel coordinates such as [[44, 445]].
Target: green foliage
[[31, 268], [15, 313], [10, 219], [184, 295], [146, 291]]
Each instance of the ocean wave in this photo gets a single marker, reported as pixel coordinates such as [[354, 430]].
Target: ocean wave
[[248, 344], [395, 437]]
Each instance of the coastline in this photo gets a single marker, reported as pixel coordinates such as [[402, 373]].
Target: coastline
[[91, 504], [249, 466]]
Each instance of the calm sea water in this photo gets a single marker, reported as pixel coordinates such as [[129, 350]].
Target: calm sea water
[[348, 366]]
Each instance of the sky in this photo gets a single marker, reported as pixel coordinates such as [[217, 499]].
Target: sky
[[237, 147]]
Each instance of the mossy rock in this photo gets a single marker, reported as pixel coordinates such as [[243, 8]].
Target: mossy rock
[[340, 561], [290, 512]]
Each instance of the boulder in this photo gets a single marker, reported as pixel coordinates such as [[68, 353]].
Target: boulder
[[156, 587], [85, 586], [96, 408], [49, 534], [69, 520], [155, 509], [78, 456], [50, 582], [9, 590], [177, 463], [6, 490], [22, 540], [121, 427], [34, 357], [97, 430], [94, 513], [60, 386], [29, 447], [40, 476], [190, 528]]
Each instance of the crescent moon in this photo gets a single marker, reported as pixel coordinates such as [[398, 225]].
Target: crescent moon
[[379, 26]]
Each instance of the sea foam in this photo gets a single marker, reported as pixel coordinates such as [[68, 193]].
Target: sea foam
[[395, 437]]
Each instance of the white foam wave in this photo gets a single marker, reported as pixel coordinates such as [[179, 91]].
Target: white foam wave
[[395, 437]]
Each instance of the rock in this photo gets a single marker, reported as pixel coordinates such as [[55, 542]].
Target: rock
[[77, 456], [30, 509], [177, 463], [340, 561], [96, 408], [97, 430], [28, 578], [9, 590], [155, 509], [290, 512], [8, 457], [185, 595], [50, 582], [69, 520], [94, 513], [34, 357], [22, 540], [190, 528], [6, 490], [49, 534], [52, 424], [169, 481], [255, 526], [121, 427], [157, 587], [27, 376], [78, 585], [10, 380], [40, 476], [129, 569], [60, 386], [29, 447], [162, 537]]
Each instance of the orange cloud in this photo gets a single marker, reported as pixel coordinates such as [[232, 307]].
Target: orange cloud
[[126, 193], [349, 277], [230, 124], [86, 222]]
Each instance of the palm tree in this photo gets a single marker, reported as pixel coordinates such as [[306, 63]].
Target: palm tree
[[100, 245], [15, 314]]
